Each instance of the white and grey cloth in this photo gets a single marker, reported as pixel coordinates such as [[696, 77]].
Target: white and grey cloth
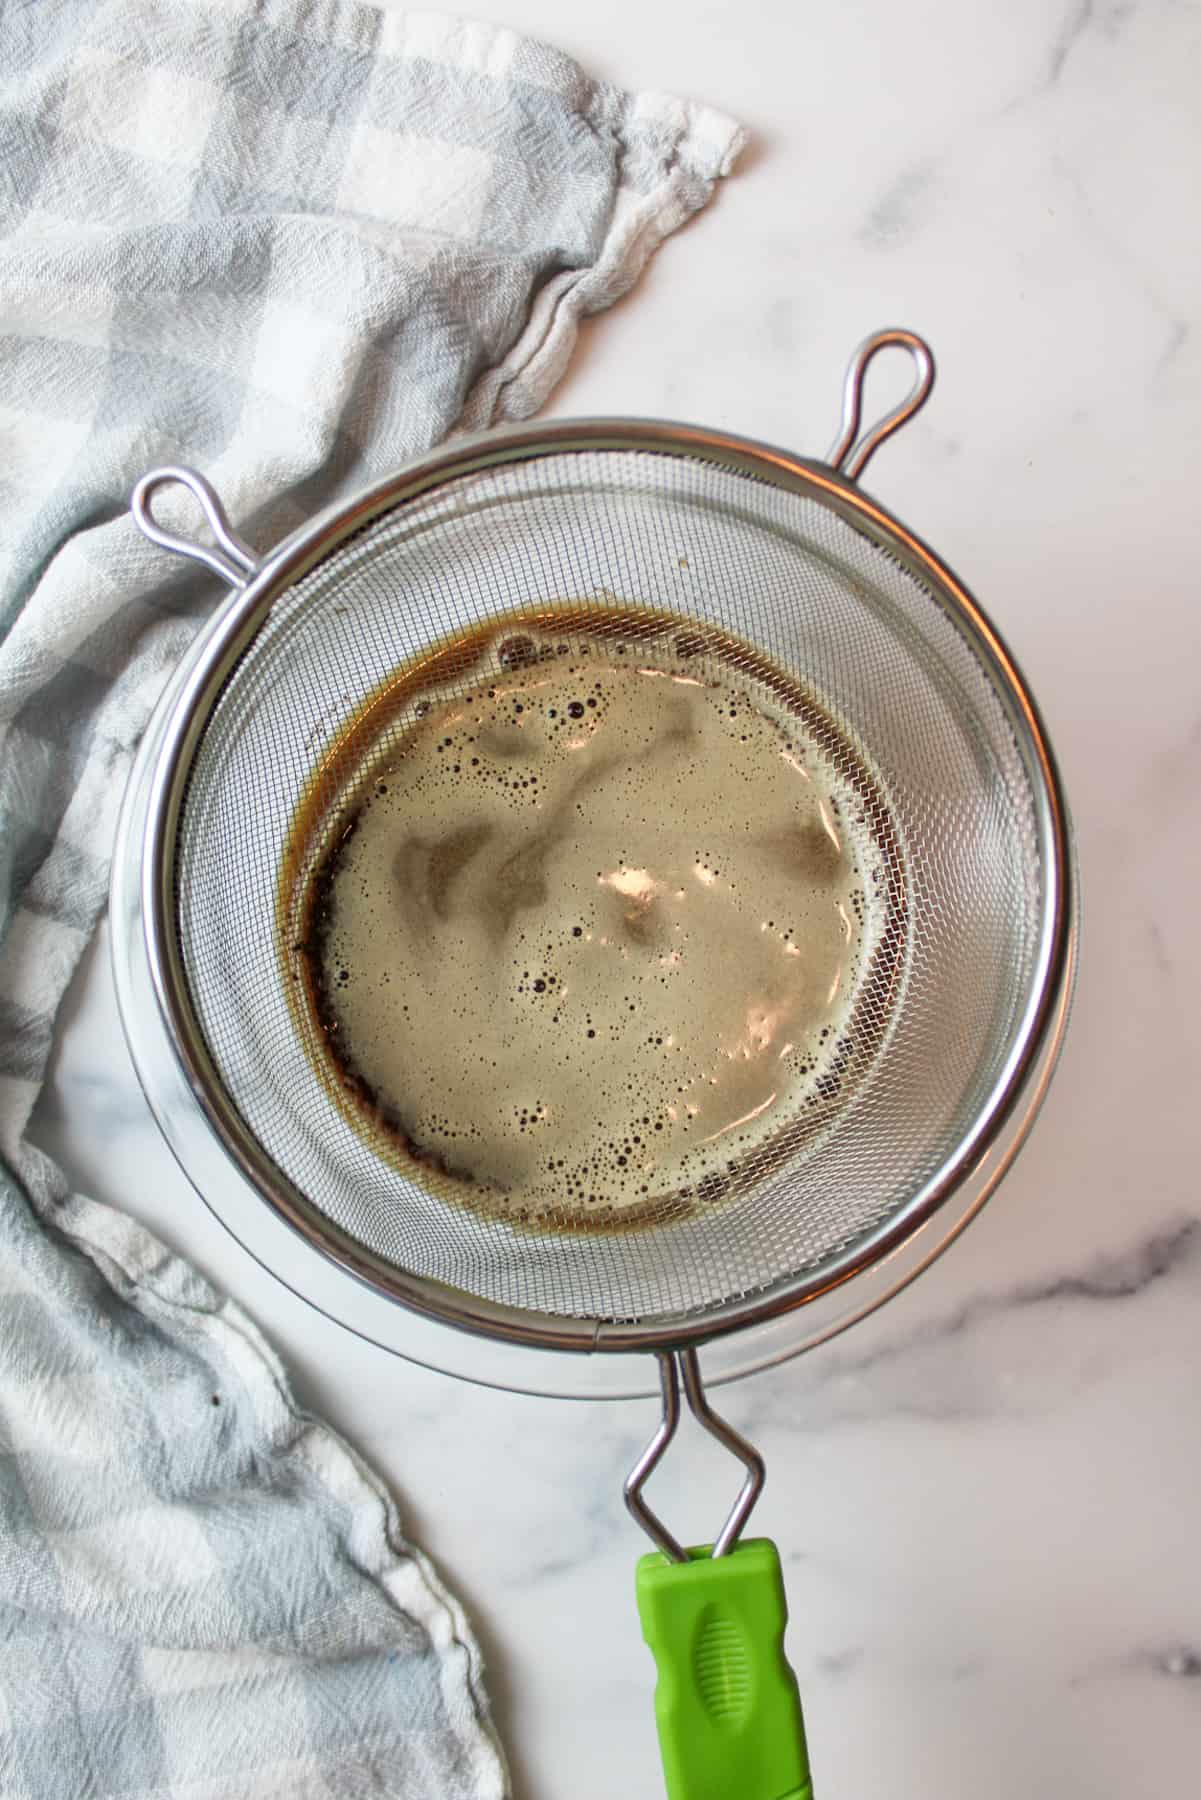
[[292, 244]]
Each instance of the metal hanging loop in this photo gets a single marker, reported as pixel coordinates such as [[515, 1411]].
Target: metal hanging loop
[[233, 559], [851, 454]]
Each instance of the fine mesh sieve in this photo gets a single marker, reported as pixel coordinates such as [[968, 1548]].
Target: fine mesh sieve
[[932, 727], [958, 1013]]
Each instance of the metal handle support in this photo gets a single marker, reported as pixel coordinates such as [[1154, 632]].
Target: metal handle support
[[675, 1365]]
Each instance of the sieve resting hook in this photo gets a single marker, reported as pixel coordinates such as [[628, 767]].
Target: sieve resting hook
[[851, 453], [675, 1365], [232, 559]]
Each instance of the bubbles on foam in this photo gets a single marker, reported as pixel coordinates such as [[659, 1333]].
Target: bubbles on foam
[[473, 837]]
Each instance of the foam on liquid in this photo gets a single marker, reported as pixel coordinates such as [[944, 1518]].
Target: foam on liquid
[[594, 932]]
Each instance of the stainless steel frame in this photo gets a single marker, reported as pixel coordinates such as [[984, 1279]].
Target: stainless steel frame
[[1014, 1098]]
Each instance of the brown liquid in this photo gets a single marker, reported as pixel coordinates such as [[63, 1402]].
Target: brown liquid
[[583, 909]]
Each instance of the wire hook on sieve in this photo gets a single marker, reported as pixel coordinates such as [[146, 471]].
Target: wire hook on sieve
[[851, 453], [232, 558]]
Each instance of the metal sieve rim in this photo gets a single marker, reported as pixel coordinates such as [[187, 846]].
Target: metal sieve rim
[[256, 586]]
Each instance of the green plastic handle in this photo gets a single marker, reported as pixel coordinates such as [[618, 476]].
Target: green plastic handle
[[730, 1724]]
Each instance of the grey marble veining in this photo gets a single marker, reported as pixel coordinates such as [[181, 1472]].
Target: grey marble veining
[[986, 1495]]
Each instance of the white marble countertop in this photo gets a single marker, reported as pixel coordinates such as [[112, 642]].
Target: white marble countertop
[[987, 1494]]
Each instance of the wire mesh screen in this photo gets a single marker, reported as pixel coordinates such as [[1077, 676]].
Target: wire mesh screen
[[923, 737]]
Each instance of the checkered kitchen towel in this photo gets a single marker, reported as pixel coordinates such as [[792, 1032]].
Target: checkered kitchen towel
[[291, 243]]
